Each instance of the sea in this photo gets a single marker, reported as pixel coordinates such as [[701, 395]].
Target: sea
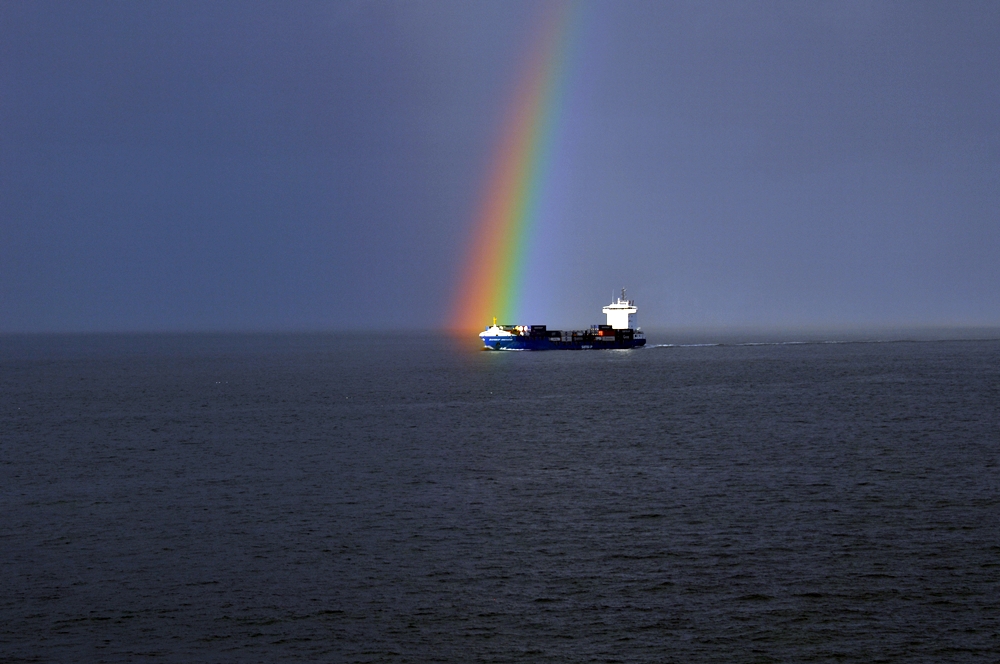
[[410, 498]]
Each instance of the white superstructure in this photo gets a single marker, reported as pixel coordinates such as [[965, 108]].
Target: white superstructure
[[621, 313]]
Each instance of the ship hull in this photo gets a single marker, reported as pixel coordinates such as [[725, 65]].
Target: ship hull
[[529, 343]]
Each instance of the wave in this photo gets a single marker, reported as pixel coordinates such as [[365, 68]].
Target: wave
[[682, 345], [789, 343]]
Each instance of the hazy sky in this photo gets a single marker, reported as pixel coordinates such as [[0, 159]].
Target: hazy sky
[[229, 166]]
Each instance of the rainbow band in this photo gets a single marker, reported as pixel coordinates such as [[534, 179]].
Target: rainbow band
[[493, 279]]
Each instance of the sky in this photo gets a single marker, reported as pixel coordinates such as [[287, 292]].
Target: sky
[[191, 166]]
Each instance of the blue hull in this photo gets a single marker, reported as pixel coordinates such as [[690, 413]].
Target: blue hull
[[534, 343]]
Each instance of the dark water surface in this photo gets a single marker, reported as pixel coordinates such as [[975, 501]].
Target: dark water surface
[[325, 498]]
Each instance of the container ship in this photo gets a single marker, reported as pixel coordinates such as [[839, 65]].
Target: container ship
[[619, 333]]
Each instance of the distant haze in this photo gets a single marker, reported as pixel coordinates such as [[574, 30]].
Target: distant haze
[[254, 166]]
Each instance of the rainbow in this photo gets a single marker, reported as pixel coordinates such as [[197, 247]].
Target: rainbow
[[491, 282]]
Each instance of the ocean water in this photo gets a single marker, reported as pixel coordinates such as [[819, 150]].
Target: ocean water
[[410, 499]]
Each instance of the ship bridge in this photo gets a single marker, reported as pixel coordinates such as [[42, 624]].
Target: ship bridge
[[621, 313]]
